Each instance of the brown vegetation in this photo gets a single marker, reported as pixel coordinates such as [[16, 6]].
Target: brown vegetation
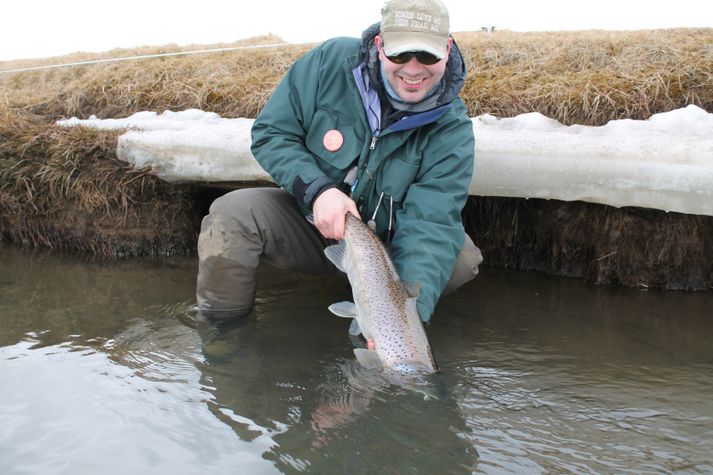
[[233, 83], [64, 187], [587, 77]]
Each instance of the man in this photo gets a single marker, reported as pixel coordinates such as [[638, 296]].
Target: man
[[372, 127]]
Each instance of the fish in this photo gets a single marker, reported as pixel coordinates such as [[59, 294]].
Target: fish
[[384, 309]]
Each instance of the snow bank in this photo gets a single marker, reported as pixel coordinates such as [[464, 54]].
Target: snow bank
[[665, 162]]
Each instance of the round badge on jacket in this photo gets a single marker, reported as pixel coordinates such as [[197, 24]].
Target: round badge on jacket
[[333, 140]]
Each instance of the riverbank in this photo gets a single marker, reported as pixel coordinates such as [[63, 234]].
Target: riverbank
[[64, 188]]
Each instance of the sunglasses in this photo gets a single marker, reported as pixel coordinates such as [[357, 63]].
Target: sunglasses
[[421, 56]]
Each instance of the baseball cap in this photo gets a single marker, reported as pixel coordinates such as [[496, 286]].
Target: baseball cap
[[415, 25]]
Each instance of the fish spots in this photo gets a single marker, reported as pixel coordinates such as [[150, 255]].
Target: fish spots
[[386, 312]]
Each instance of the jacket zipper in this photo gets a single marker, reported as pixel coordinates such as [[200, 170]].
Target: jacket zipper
[[372, 223], [363, 168], [372, 146]]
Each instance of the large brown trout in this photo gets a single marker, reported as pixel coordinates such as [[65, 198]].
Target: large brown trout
[[384, 308]]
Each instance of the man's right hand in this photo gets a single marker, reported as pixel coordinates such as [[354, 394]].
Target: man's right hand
[[330, 210]]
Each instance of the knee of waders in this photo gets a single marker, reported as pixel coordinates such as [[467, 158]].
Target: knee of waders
[[229, 249], [229, 229]]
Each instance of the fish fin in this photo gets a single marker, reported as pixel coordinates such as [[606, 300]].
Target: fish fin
[[412, 306], [413, 290], [343, 309], [354, 329], [347, 310], [337, 254], [368, 358]]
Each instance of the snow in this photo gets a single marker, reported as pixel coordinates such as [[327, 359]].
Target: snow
[[191, 145], [665, 162]]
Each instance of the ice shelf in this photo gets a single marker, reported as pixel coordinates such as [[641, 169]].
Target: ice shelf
[[665, 162]]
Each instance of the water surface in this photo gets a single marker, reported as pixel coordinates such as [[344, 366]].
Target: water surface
[[104, 369]]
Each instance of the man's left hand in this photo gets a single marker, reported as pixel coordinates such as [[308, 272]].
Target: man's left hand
[[330, 210]]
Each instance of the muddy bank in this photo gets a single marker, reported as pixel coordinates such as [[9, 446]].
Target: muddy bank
[[68, 191], [633, 247]]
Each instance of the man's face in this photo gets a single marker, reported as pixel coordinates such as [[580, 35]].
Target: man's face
[[412, 80]]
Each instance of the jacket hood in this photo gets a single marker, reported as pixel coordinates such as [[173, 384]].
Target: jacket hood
[[453, 78]]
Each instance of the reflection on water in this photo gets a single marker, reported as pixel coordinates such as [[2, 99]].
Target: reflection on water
[[103, 368]]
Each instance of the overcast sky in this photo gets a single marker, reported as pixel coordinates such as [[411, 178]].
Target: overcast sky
[[42, 28]]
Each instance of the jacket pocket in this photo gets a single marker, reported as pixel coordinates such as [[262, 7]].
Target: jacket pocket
[[391, 186], [396, 176], [334, 141]]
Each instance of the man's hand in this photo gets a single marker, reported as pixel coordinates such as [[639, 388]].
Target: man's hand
[[329, 211]]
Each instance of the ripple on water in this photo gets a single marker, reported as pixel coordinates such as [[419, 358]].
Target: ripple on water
[[551, 414], [68, 409]]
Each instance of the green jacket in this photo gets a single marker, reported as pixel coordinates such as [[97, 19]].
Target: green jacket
[[414, 173]]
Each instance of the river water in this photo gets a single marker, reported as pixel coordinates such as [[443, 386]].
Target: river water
[[104, 369]]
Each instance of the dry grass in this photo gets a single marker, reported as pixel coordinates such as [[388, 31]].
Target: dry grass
[[64, 188], [586, 77], [233, 83]]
